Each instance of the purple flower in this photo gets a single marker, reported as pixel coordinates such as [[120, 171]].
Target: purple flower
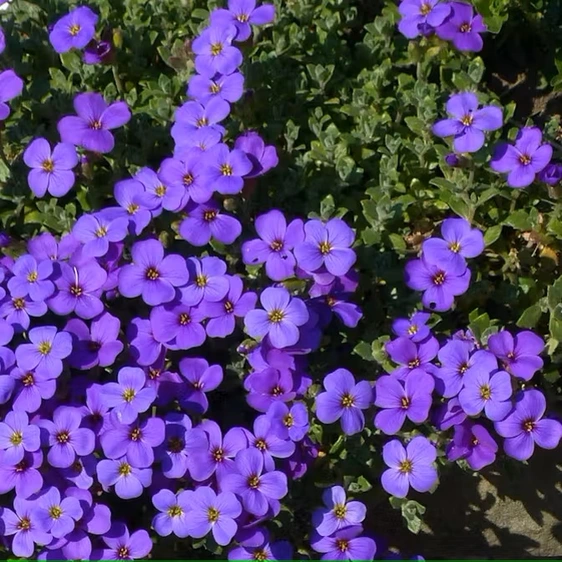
[[51, 171], [178, 326], [91, 128], [144, 349], [151, 274], [97, 231], [235, 304], [135, 202], [226, 87], [31, 389], [440, 283], [205, 137], [410, 355], [327, 245], [269, 386], [525, 426], [463, 28], [274, 248], [23, 476], [414, 328], [215, 513], [136, 441], [45, 352], [524, 160], [175, 509], [268, 444], [552, 174], [98, 345], [459, 242], [400, 400], [205, 221], [45, 247], [194, 121], [255, 488], [31, 278], [22, 524], [207, 281], [180, 440], [255, 544], [474, 444], [338, 512], [483, 391], [65, 437], [417, 15], [55, 515], [262, 157], [129, 481], [345, 544], [242, 13], [128, 397], [201, 378], [410, 466], [217, 456], [98, 52], [520, 354], [214, 51], [225, 169], [457, 361], [280, 320], [74, 31], [17, 311], [448, 414], [288, 423], [17, 437], [123, 546], [344, 398], [186, 177], [11, 86], [468, 123], [79, 290]]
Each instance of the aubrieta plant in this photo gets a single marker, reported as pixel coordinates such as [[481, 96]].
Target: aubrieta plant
[[127, 430]]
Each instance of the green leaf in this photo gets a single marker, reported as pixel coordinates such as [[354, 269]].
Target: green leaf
[[530, 316], [519, 220], [554, 294], [492, 234]]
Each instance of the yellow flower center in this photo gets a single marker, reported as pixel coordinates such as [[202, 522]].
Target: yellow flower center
[[201, 280], [213, 514], [254, 481], [74, 29], [55, 512], [325, 248], [16, 438], [152, 274], [405, 402], [276, 245], [48, 165], [347, 401], [45, 347], [276, 391], [242, 18], [32, 276], [425, 8], [28, 380], [132, 208], [525, 159], [261, 444], [260, 555], [288, 420], [216, 49], [340, 511], [76, 290], [467, 119], [202, 122], [405, 466], [175, 445], [63, 437], [19, 303], [175, 511], [455, 247], [529, 425], [439, 279], [101, 231], [123, 552], [210, 215], [463, 368], [184, 319], [218, 455], [276, 316], [465, 28], [125, 469], [95, 125], [215, 88], [129, 394], [412, 330], [485, 392], [228, 307], [24, 524], [187, 179], [136, 434], [160, 191], [342, 544], [414, 363], [226, 169]]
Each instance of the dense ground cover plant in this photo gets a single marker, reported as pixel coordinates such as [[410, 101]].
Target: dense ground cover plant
[[137, 419]]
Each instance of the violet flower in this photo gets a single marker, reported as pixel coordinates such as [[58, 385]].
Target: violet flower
[[411, 356], [11, 86], [201, 378], [206, 221], [56, 515], [243, 14], [262, 157], [31, 278], [519, 353], [338, 513], [129, 481], [490, 393], [345, 544], [344, 398], [17, 436], [525, 426], [175, 509], [473, 443], [463, 28], [91, 128], [524, 160], [417, 15], [229, 88], [50, 170], [225, 169], [214, 51], [74, 30], [122, 545], [413, 328]]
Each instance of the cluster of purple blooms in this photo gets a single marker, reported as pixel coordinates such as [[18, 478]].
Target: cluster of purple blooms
[[529, 158], [92, 407], [452, 21]]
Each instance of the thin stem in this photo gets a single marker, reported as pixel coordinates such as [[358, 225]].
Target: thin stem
[[117, 79]]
